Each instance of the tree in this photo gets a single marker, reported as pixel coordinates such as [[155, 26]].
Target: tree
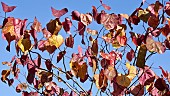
[[111, 60]]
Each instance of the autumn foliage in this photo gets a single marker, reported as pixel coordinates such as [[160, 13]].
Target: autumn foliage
[[95, 57]]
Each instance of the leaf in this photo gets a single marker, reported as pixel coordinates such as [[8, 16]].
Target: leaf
[[7, 8], [130, 55], [86, 19], [100, 80], [67, 25], [153, 21], [137, 90], [137, 39], [94, 47], [82, 71], [167, 9], [132, 72], [54, 26], [69, 41], [92, 32], [110, 21], [154, 8], [165, 74], [160, 84], [46, 33], [147, 76], [143, 15], [5, 74], [56, 40], [75, 15], [105, 6], [141, 56], [60, 55], [20, 87], [36, 25], [110, 72], [154, 46], [81, 28], [123, 80], [59, 13], [48, 64], [24, 44], [94, 9]]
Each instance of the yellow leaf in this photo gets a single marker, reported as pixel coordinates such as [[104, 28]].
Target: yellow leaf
[[56, 40], [131, 71], [9, 27], [141, 56], [123, 80], [54, 26], [24, 44]]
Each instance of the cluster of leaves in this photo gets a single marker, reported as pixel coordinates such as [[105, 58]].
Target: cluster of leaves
[[98, 55]]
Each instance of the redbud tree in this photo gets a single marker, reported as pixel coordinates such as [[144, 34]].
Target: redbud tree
[[111, 60]]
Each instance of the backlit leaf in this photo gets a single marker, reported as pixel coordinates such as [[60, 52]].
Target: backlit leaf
[[147, 76], [36, 25], [131, 71], [69, 41], [67, 25], [7, 8], [60, 55], [123, 80], [56, 40], [86, 19], [59, 13], [54, 26], [141, 56], [154, 46], [24, 44]]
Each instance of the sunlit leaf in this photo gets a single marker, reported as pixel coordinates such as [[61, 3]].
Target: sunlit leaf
[[92, 32], [56, 40], [154, 46], [86, 19], [24, 44], [5, 74], [143, 15], [110, 72], [131, 71]]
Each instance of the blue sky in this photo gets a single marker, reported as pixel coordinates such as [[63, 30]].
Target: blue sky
[[28, 9]]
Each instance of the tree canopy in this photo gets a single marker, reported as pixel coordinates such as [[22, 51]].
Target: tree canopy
[[70, 56]]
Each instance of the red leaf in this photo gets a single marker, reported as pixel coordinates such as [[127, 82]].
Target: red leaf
[[69, 41], [59, 13], [67, 25], [137, 90], [30, 77], [147, 77], [167, 8], [46, 33], [7, 8], [94, 12], [105, 6], [75, 15], [160, 84], [81, 28], [48, 64], [165, 74], [36, 25], [10, 81], [130, 55], [60, 55]]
